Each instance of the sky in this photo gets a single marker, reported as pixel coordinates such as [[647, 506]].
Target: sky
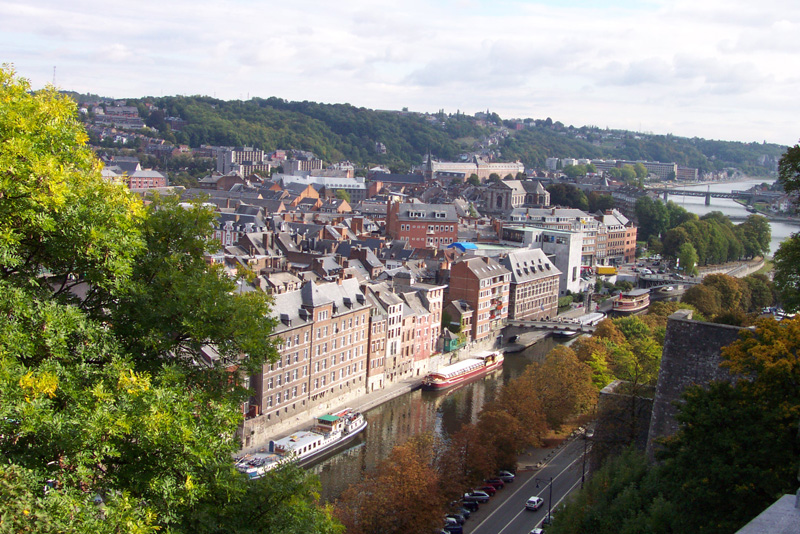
[[727, 70]]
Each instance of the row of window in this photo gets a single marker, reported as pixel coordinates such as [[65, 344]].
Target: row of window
[[430, 227]]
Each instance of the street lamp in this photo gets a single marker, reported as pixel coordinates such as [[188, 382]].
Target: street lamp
[[587, 434], [548, 519]]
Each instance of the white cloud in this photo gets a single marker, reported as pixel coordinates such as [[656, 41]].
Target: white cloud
[[722, 69]]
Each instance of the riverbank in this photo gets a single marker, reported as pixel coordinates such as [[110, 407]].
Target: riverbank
[[370, 400]]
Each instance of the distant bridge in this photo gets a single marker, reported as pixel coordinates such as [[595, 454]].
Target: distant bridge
[[656, 281], [748, 196], [566, 324]]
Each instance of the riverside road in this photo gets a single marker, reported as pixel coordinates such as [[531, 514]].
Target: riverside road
[[506, 514]]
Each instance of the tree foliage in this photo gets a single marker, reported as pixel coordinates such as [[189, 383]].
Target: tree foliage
[[401, 495], [722, 294], [710, 477], [567, 195], [789, 169], [110, 418]]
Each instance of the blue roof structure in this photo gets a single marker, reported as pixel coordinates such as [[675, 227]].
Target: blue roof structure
[[463, 246]]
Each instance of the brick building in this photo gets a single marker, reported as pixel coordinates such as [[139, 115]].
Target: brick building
[[322, 334], [422, 225], [484, 285]]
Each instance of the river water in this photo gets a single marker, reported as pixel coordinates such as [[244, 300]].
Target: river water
[[780, 230], [441, 413]]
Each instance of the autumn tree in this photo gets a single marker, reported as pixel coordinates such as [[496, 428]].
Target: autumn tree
[[563, 384], [466, 461], [401, 495], [710, 477]]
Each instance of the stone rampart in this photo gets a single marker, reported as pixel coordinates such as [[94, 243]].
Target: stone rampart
[[691, 355]]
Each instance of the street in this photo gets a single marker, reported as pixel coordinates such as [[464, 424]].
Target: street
[[506, 513]]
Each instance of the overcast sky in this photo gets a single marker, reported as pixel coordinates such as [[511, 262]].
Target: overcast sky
[[708, 68]]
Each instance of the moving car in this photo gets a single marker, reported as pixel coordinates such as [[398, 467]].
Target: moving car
[[534, 503]]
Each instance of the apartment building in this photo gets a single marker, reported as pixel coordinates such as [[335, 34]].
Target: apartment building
[[322, 337], [534, 287], [422, 225], [387, 362], [483, 284], [616, 240]]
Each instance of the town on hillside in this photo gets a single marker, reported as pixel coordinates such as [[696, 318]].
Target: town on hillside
[[382, 278]]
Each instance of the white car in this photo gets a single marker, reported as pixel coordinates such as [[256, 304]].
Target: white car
[[534, 503], [537, 531]]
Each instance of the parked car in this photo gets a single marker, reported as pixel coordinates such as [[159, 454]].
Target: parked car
[[477, 496], [460, 519], [452, 526], [534, 503], [505, 476], [537, 531], [472, 506], [496, 482], [491, 490]]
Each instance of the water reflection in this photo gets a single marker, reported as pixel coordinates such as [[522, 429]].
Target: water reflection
[[392, 423]]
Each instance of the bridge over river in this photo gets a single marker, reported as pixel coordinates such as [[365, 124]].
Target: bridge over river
[[748, 196], [514, 327]]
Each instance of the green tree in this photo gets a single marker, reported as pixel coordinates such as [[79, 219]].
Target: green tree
[[756, 235], [640, 170], [100, 401], [343, 195], [474, 180], [652, 216], [787, 272], [567, 195], [789, 169], [687, 256], [574, 171]]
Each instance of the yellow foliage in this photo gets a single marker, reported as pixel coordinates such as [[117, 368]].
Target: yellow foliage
[[133, 383], [37, 385]]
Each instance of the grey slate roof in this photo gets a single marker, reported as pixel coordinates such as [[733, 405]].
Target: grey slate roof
[[526, 265], [287, 307]]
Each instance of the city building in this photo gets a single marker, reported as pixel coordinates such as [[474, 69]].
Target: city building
[[484, 285], [422, 225], [322, 336], [562, 247], [533, 291], [506, 195]]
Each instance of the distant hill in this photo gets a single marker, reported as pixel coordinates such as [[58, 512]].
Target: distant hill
[[344, 132]]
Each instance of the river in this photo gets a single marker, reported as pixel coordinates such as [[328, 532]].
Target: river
[[780, 230], [393, 422]]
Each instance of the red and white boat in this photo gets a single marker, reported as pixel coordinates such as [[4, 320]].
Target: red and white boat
[[475, 366]]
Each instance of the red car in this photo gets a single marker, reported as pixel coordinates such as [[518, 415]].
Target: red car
[[491, 490], [496, 482]]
